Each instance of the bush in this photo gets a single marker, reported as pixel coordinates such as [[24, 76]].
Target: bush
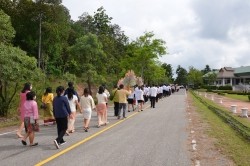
[[249, 97], [227, 87], [220, 93]]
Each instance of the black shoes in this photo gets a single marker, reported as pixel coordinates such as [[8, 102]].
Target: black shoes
[[24, 142]]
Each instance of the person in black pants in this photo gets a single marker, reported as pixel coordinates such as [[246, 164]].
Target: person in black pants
[[61, 111]]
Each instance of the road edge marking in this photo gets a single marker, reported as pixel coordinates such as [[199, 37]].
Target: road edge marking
[[83, 141]]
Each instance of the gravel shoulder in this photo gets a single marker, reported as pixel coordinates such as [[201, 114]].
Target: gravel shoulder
[[203, 149]]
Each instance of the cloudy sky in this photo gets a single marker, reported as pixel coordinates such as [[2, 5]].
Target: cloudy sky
[[196, 32]]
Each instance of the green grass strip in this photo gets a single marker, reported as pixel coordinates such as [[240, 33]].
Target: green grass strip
[[229, 141]]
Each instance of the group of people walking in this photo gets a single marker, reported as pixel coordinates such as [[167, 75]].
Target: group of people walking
[[61, 109], [135, 97]]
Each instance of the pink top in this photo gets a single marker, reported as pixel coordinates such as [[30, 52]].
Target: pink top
[[31, 109], [22, 100]]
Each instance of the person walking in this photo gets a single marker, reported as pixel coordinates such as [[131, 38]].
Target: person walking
[[30, 118], [101, 106], [123, 94], [27, 88], [139, 97], [71, 86], [115, 100], [47, 100], [87, 105], [73, 103], [153, 94], [61, 111], [105, 115], [131, 101]]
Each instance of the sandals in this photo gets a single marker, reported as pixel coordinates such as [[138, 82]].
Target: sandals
[[85, 129], [24, 142], [35, 144]]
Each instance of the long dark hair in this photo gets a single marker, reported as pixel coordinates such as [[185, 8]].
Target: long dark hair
[[48, 90], [59, 90], [26, 87], [86, 92], [101, 90], [70, 93]]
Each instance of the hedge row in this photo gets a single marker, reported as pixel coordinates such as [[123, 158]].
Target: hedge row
[[234, 123]]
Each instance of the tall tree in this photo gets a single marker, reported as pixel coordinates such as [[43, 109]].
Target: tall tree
[[7, 32], [206, 70], [181, 78], [87, 55], [168, 71], [143, 51], [194, 77], [15, 66]]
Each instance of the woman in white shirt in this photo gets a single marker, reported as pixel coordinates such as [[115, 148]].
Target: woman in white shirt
[[73, 103], [131, 101], [101, 106], [87, 105], [139, 97]]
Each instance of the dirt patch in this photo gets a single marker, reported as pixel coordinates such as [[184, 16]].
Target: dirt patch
[[202, 147]]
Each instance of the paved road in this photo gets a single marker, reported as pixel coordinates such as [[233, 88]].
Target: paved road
[[154, 137]]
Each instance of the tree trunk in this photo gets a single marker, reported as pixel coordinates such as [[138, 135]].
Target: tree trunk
[[89, 85]]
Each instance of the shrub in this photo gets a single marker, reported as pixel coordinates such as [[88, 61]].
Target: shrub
[[227, 87]]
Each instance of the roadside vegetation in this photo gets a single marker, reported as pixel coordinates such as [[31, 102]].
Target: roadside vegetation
[[229, 141], [238, 97]]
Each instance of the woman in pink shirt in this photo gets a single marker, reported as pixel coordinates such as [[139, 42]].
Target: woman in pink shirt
[[27, 88], [30, 118]]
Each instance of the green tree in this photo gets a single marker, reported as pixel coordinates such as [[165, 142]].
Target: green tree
[[15, 66], [194, 77], [7, 32], [87, 55], [168, 71], [142, 52], [210, 78], [206, 70], [181, 78]]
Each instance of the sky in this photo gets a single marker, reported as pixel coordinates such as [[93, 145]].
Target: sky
[[197, 32]]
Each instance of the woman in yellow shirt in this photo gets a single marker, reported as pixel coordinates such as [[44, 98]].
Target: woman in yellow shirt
[[47, 106]]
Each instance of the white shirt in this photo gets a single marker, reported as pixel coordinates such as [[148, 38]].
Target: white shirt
[[72, 103], [139, 94], [153, 91], [87, 102], [131, 96], [146, 91], [101, 98]]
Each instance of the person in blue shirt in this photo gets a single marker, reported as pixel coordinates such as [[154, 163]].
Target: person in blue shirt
[[61, 111]]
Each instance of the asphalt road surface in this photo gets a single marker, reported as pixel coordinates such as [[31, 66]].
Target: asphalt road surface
[[154, 137]]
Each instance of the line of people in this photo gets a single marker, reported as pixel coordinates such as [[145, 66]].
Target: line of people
[[61, 109]]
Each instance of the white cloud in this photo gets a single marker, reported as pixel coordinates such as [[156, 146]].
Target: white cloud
[[197, 32]]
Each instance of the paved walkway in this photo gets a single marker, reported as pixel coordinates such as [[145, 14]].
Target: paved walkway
[[227, 102]]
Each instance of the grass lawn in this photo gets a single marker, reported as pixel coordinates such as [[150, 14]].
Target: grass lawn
[[238, 97], [231, 143]]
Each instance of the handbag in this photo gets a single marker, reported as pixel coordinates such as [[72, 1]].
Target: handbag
[[36, 127], [43, 106]]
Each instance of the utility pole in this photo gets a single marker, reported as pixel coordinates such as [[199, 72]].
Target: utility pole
[[40, 40]]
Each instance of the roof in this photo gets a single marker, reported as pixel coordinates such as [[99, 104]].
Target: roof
[[228, 68], [226, 72], [242, 71], [229, 72]]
